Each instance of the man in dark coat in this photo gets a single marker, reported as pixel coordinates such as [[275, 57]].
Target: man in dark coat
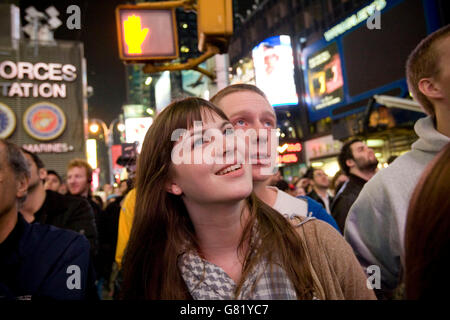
[[359, 163], [37, 261], [49, 207]]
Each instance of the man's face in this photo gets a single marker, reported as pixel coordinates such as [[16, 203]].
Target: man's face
[[443, 49], [248, 110], [320, 179], [363, 156], [77, 181], [37, 175], [11, 187], [52, 183]]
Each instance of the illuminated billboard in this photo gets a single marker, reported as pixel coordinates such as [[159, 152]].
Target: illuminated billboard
[[163, 91], [274, 70], [136, 129], [352, 62], [325, 81]]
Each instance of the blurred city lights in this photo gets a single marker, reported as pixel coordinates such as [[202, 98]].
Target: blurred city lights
[[148, 81], [94, 128], [121, 127]]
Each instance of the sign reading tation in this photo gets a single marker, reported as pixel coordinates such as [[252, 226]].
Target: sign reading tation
[[55, 72]]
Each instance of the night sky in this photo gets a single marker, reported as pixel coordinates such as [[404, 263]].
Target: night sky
[[106, 72]]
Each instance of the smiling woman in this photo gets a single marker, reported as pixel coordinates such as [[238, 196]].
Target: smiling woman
[[199, 227]]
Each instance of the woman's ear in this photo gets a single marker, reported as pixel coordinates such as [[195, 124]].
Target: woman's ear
[[173, 188]]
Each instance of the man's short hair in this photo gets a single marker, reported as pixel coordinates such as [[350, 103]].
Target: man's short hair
[[423, 62], [17, 162], [39, 163], [53, 172], [309, 173], [346, 154], [236, 88], [81, 163]]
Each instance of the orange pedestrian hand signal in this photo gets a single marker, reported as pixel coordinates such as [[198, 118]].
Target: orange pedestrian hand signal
[[134, 34]]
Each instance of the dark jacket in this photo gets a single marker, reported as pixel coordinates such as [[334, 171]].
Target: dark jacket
[[108, 232], [345, 198], [68, 212], [313, 195], [43, 262]]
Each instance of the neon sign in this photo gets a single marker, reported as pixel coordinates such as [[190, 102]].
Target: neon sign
[[354, 20]]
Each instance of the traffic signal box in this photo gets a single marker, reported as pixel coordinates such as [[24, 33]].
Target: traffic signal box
[[146, 34], [214, 22]]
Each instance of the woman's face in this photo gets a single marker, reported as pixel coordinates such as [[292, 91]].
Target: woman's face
[[220, 175]]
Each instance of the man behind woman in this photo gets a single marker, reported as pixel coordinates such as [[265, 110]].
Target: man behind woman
[[200, 232]]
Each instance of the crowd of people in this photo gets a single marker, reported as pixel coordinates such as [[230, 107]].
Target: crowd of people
[[219, 230]]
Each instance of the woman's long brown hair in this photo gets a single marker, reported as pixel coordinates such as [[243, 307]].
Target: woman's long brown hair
[[162, 227], [427, 240]]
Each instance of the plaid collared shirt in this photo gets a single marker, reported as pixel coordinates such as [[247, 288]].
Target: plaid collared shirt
[[207, 281]]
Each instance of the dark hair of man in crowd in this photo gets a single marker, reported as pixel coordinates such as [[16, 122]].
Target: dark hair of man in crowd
[[309, 173], [346, 154], [39, 163], [53, 172], [16, 161], [282, 185]]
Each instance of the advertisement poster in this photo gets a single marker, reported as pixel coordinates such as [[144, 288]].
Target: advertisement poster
[[325, 80]]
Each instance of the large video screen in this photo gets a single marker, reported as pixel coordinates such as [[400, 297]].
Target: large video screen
[[374, 58], [325, 81], [274, 70], [351, 64]]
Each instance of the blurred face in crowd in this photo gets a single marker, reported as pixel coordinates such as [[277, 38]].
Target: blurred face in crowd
[[77, 181], [198, 183], [123, 187], [303, 183], [52, 182], [108, 188], [37, 175], [320, 179], [11, 187], [300, 191], [363, 157], [248, 110]]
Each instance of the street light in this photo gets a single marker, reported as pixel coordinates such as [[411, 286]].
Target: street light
[[108, 133]]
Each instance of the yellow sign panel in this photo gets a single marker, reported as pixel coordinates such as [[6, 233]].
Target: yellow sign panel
[[146, 34]]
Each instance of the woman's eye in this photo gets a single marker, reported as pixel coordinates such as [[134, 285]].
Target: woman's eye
[[240, 122], [269, 124], [228, 131], [197, 142]]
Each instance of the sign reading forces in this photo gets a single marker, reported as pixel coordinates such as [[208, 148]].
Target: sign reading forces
[[55, 72]]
